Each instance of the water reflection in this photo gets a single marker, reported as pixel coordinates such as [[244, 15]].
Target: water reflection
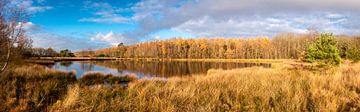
[[65, 63], [149, 68]]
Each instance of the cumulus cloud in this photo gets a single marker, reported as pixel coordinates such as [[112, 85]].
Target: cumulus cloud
[[28, 27], [59, 42], [112, 38]]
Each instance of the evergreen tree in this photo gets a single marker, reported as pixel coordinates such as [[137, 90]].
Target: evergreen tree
[[66, 53], [323, 51]]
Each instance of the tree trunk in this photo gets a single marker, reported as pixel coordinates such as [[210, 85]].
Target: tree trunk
[[7, 60]]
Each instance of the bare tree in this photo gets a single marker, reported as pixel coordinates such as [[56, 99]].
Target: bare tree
[[12, 20]]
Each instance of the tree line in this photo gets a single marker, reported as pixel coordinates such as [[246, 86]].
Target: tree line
[[49, 52], [281, 46]]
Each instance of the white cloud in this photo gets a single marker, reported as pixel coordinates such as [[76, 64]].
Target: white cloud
[[104, 12], [157, 37], [108, 19], [210, 27], [35, 9], [235, 27], [30, 27], [30, 7], [58, 42], [112, 38]]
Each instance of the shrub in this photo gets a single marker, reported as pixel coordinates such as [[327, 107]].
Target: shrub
[[323, 51], [102, 55], [353, 54], [66, 53]]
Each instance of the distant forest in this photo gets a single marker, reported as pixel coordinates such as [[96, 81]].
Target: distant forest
[[281, 46]]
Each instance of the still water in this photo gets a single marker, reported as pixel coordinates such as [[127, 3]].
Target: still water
[[149, 69]]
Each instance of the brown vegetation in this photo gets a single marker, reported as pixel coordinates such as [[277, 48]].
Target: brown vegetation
[[248, 89], [284, 88], [32, 88], [89, 79], [35, 88]]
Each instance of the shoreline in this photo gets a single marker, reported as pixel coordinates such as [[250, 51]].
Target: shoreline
[[54, 59]]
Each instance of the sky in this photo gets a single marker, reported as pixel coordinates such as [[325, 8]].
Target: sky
[[93, 24]]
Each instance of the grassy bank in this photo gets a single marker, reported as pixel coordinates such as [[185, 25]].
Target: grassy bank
[[32, 88], [248, 89], [35, 88]]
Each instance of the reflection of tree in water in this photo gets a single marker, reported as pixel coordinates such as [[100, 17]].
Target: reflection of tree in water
[[87, 66], [168, 68], [120, 71], [66, 63]]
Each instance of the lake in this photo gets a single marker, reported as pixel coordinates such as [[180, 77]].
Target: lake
[[148, 69]]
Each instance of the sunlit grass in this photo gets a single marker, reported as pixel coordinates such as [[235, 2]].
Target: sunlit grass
[[32, 88], [247, 89], [283, 88], [36, 88]]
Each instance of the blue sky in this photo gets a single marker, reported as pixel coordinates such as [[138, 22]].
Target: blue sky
[[92, 24]]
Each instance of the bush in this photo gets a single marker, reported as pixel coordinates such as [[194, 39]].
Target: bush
[[102, 55], [323, 51], [66, 53], [349, 48]]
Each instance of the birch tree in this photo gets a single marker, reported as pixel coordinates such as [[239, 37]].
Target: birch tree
[[12, 20]]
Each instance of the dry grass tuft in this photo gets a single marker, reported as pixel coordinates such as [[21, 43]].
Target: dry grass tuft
[[71, 97]]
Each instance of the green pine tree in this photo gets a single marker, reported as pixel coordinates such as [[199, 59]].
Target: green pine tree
[[323, 51]]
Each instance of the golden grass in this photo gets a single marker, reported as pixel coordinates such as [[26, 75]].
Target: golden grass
[[72, 95], [36, 88], [32, 88], [247, 89]]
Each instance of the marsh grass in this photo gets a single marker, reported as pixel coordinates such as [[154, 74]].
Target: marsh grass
[[36, 88], [32, 88], [247, 89]]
